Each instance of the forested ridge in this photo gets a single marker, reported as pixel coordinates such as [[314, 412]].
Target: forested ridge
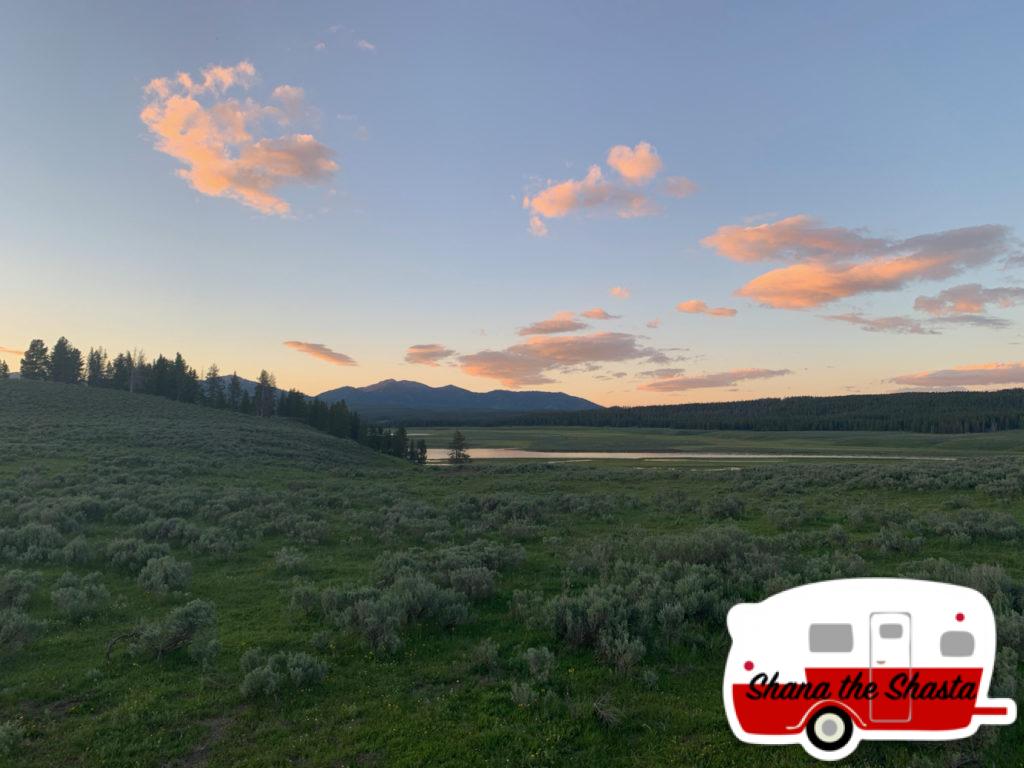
[[938, 412]]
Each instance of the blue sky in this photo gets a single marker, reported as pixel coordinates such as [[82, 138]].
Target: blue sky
[[866, 120]]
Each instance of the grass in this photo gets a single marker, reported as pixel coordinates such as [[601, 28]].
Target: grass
[[107, 465]]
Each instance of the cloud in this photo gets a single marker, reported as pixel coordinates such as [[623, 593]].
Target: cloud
[[599, 314], [985, 375], [661, 373], [655, 323], [195, 122], [697, 307], [531, 361], [427, 354], [320, 45], [833, 263], [882, 324], [968, 299], [560, 322], [619, 292], [679, 186], [637, 165], [366, 45], [711, 380], [983, 321], [11, 351], [320, 352]]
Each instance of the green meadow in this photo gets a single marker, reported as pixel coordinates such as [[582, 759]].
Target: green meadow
[[182, 586]]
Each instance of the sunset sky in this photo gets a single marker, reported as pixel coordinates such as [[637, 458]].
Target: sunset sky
[[635, 203]]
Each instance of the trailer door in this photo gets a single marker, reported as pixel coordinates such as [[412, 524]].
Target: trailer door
[[890, 656]]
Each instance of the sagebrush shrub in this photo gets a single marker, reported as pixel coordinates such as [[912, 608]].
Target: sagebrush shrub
[[18, 629], [165, 574], [132, 554], [540, 662], [192, 626], [289, 559], [523, 695], [484, 656], [17, 587], [267, 675], [78, 598]]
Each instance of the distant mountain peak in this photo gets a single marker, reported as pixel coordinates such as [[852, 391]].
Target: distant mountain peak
[[405, 395]]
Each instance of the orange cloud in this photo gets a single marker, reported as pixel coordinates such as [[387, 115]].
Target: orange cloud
[[320, 352], [833, 262], [599, 314], [968, 299], [985, 375], [796, 238], [214, 137], [560, 322], [11, 351], [637, 165], [532, 361], [619, 292], [427, 354], [711, 380], [697, 307]]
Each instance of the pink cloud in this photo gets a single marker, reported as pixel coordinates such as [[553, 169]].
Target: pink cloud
[[637, 165], [833, 263], [711, 380], [560, 322], [213, 136], [531, 361], [11, 351], [697, 307], [599, 314], [619, 292], [655, 323], [985, 375], [968, 299], [427, 354], [366, 45], [320, 352]]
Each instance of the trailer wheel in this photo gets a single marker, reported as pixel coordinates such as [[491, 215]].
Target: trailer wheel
[[830, 729]]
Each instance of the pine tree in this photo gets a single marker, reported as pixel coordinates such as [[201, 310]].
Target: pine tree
[[96, 368], [421, 451], [457, 449], [234, 392], [5, 370], [264, 399], [65, 362], [36, 362], [214, 387]]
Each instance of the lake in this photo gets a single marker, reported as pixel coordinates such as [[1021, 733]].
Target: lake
[[438, 455]]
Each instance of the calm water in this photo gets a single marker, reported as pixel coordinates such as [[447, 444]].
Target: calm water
[[441, 454]]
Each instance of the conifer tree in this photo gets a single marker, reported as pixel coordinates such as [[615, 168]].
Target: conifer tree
[[36, 362], [457, 449], [5, 370], [96, 368], [234, 392], [214, 388]]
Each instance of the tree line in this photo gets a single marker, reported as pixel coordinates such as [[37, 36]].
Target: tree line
[[174, 379], [934, 412]]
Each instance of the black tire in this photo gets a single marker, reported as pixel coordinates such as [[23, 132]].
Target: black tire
[[830, 729]]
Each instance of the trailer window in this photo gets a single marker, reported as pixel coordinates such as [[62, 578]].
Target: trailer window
[[831, 638], [956, 644], [890, 631]]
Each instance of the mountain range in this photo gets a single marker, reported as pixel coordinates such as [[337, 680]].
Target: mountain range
[[393, 399]]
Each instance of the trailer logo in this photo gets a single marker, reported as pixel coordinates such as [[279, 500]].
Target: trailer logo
[[827, 665]]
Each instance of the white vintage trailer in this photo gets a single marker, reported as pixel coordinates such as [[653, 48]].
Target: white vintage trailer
[[826, 665]]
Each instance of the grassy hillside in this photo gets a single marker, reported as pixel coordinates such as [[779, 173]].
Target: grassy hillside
[[412, 616]]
